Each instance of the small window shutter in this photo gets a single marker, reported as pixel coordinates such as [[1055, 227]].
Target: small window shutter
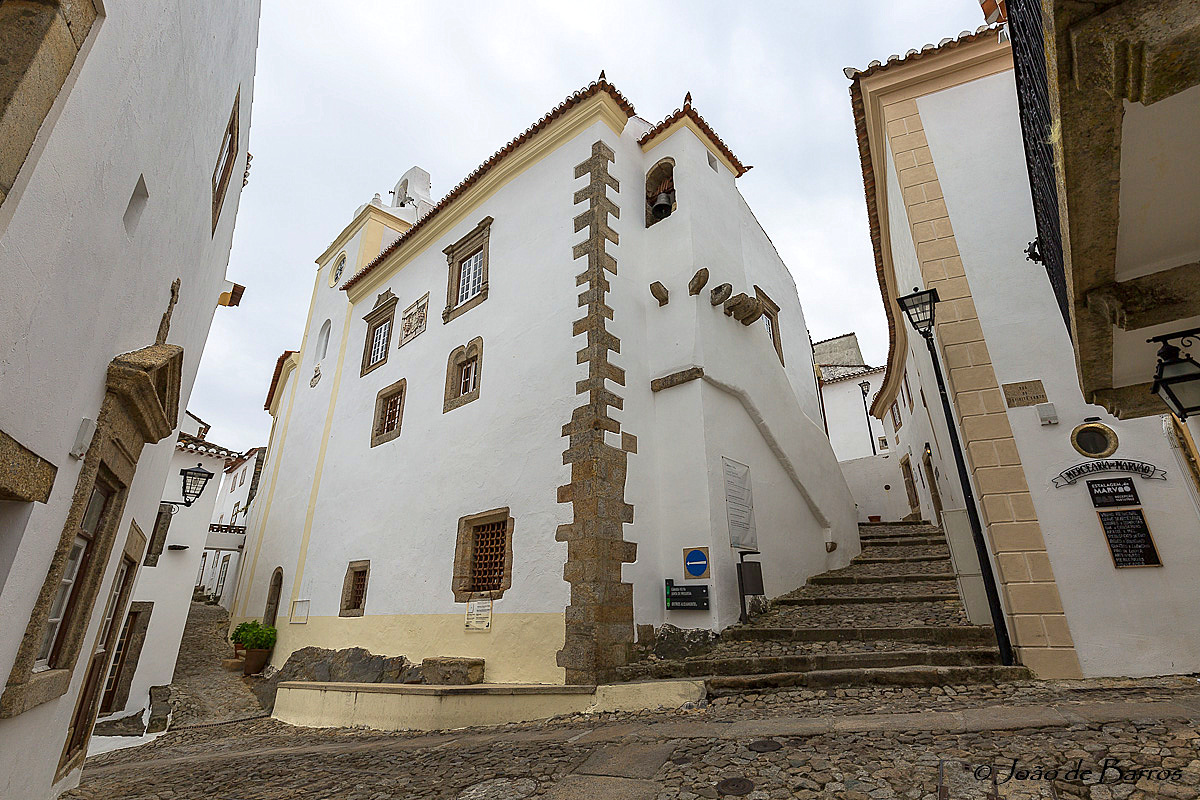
[[159, 538], [739, 503]]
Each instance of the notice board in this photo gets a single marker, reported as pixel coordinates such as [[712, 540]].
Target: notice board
[[739, 505], [1129, 538]]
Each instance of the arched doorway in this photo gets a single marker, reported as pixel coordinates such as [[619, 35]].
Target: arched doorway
[[272, 609]]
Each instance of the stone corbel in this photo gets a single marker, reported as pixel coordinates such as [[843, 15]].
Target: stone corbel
[[146, 382], [1154, 299]]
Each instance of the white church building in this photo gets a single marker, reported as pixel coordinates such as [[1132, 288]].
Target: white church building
[[514, 410]]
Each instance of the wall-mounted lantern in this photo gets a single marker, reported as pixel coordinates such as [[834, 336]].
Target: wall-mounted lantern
[[1177, 375]]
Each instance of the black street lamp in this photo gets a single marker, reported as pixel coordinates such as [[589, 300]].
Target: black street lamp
[[1177, 376], [194, 480], [919, 308], [866, 390]]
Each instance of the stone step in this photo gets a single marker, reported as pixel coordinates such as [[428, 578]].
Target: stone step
[[897, 559], [901, 524], [906, 542], [929, 634], [883, 676], [834, 579], [835, 600], [770, 665]]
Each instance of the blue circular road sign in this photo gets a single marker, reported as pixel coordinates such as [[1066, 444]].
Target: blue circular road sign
[[695, 563]]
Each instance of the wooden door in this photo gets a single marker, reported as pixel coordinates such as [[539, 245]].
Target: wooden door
[[272, 609], [934, 494], [910, 486]]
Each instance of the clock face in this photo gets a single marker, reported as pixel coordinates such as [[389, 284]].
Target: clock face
[[337, 271]]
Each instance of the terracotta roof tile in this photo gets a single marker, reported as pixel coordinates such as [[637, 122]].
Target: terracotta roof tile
[[688, 111], [592, 89], [915, 55], [275, 378], [195, 444]]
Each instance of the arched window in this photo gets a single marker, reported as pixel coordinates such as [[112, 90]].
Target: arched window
[[323, 341], [272, 610], [660, 191]]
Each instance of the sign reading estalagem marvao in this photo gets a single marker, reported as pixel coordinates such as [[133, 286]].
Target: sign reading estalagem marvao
[[1113, 492]]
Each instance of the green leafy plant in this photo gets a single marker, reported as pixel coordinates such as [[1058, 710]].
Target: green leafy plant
[[242, 630], [260, 637]]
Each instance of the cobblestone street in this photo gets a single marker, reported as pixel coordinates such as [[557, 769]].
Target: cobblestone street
[[805, 744], [202, 692]]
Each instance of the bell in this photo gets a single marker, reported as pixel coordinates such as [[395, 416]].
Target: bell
[[661, 208]]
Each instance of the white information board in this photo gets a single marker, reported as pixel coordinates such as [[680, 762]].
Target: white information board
[[479, 615], [739, 504]]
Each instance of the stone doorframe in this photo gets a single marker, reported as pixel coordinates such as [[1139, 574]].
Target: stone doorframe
[[134, 641]]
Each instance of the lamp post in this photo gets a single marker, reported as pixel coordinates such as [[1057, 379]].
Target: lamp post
[[919, 308], [1177, 375], [866, 389]]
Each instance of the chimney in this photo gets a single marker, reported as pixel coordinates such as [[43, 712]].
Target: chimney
[[994, 11]]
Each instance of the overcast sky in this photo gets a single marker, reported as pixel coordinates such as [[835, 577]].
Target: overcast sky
[[349, 95]]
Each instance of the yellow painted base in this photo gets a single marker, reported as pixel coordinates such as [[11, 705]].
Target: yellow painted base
[[391, 707], [520, 648]]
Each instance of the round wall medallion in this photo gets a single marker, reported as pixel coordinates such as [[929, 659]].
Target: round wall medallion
[[735, 787], [1094, 440], [338, 268], [764, 746]]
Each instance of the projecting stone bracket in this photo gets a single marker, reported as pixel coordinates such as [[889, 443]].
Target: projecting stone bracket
[[1153, 299]]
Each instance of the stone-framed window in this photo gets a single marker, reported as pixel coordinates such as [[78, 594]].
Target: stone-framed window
[[125, 657], [467, 280], [483, 556], [354, 589], [413, 320], [158, 536], [771, 320], [897, 422], [379, 332], [226, 158], [660, 180], [389, 412], [464, 371]]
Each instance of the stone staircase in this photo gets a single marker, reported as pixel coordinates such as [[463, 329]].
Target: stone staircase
[[892, 617]]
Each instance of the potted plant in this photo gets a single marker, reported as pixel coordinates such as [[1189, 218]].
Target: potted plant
[[235, 638], [258, 639]]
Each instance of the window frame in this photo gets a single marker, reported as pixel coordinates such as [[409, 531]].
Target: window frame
[[378, 435], [476, 242], [771, 315], [353, 569], [897, 422], [472, 351], [227, 156], [464, 555], [384, 313]]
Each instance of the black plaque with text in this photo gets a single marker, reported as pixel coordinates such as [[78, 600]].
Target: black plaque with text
[[688, 596], [1113, 492], [1129, 538]]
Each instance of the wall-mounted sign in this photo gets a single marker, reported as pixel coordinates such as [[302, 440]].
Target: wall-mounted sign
[[1069, 476], [1111, 492], [479, 615], [1024, 393], [690, 597], [1129, 538], [739, 504], [695, 562]]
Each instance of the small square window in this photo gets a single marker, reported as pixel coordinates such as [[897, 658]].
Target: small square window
[[483, 556], [354, 589], [771, 320], [389, 412]]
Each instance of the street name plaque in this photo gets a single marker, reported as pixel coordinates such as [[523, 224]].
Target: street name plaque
[[1128, 538]]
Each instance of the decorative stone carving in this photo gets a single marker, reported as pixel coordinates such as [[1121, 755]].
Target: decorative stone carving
[[698, 281], [660, 293], [316, 376], [412, 323], [721, 294], [749, 312]]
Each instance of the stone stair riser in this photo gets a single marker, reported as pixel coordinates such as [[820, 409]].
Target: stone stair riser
[[844, 580], [959, 635], [766, 665], [841, 601], [897, 559], [893, 542], [907, 676]]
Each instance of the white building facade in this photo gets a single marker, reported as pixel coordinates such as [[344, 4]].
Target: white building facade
[[620, 372], [118, 195], [148, 641], [1092, 522], [218, 575]]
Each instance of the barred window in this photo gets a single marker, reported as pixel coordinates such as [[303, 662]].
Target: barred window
[[389, 412], [354, 589], [487, 556], [483, 556]]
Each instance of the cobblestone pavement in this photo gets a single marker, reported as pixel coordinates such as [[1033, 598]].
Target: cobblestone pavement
[[885, 615], [201, 691], [791, 747]]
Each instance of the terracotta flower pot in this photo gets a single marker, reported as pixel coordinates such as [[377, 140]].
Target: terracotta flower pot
[[874, 517], [255, 661], [238, 649]]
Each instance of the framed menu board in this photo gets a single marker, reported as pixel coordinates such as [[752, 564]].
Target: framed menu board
[[1129, 538]]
